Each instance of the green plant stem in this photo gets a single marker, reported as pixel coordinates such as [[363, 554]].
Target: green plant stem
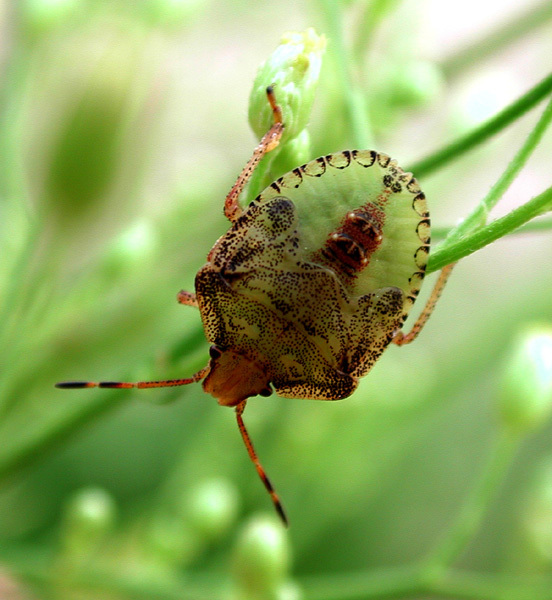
[[475, 586], [495, 230], [492, 126], [535, 226], [491, 42], [434, 576], [478, 217], [23, 449], [476, 505], [393, 582], [26, 448], [398, 582], [405, 582], [355, 102], [460, 240], [103, 584]]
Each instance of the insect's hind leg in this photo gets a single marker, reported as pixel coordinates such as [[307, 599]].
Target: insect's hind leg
[[401, 338], [187, 298]]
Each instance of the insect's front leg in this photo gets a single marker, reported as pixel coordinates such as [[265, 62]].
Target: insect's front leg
[[187, 298], [270, 140]]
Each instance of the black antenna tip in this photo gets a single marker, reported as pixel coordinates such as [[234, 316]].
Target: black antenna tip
[[73, 385]]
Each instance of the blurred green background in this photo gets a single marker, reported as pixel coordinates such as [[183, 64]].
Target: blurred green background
[[123, 126]]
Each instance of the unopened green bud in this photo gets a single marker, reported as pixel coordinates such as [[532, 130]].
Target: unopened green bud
[[525, 397], [293, 69], [414, 84], [289, 590], [86, 151], [212, 508], [89, 516], [85, 160], [203, 514], [261, 558]]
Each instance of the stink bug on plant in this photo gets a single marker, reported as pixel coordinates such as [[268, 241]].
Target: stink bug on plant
[[311, 283]]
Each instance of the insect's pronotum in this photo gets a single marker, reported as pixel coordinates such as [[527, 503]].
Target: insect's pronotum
[[311, 283]]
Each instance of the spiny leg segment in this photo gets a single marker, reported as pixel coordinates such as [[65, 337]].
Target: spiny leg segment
[[187, 298], [269, 141], [253, 456], [401, 338], [137, 384]]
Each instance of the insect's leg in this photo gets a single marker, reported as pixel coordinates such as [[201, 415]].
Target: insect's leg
[[187, 298], [401, 338], [138, 384], [253, 456], [269, 141]]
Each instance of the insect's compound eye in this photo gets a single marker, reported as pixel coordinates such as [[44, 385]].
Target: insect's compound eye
[[215, 352], [266, 392]]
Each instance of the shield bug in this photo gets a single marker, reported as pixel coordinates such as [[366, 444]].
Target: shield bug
[[311, 283]]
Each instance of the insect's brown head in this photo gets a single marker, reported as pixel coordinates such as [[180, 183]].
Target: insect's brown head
[[233, 377]]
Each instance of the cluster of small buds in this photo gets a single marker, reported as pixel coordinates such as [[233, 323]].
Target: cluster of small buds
[[203, 515]]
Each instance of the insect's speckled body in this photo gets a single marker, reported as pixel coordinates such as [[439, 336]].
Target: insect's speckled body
[[311, 283], [315, 277]]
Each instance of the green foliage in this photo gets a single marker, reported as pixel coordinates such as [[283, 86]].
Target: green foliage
[[122, 127]]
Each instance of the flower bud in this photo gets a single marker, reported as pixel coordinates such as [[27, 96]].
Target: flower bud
[[525, 397], [87, 131], [89, 516], [212, 508], [289, 590], [261, 558], [180, 531], [85, 152], [413, 84], [293, 69]]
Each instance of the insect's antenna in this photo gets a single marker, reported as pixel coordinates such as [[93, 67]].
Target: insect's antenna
[[137, 384], [253, 456]]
